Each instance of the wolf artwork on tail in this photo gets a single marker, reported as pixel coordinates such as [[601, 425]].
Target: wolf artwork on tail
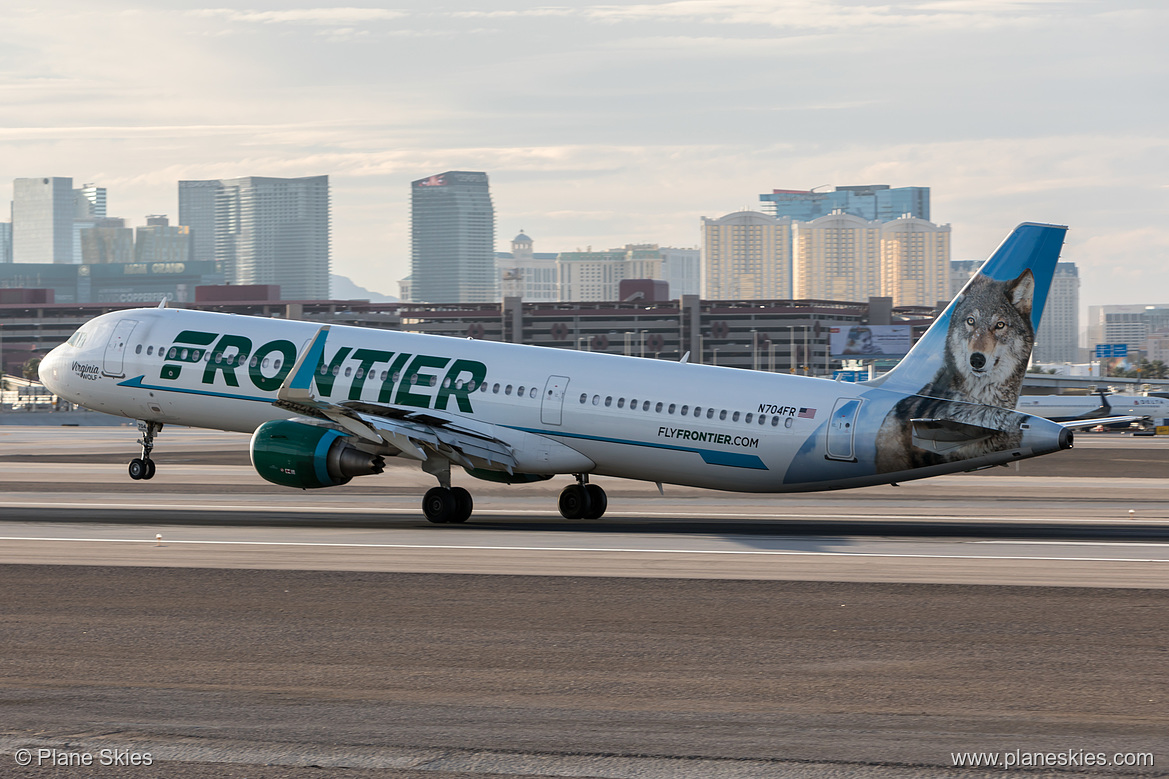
[[979, 349]]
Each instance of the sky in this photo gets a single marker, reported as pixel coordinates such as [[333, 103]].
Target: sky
[[601, 125]]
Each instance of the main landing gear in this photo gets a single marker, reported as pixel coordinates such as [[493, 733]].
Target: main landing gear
[[143, 467], [583, 500], [445, 504]]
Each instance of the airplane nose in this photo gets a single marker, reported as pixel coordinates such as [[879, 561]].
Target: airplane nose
[[977, 361], [51, 371]]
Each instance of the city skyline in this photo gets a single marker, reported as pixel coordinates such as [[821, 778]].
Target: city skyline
[[616, 124]]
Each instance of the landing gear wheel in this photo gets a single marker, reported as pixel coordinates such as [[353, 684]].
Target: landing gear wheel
[[574, 502], [465, 503], [440, 505], [598, 502], [150, 469], [139, 468]]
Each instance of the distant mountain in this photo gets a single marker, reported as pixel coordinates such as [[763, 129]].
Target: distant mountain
[[344, 289]]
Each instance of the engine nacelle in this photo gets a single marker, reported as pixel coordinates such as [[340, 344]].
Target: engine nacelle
[[295, 454]]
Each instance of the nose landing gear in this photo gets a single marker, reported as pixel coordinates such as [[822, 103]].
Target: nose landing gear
[[142, 468]]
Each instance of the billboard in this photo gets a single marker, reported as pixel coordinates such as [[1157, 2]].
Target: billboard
[[861, 341]]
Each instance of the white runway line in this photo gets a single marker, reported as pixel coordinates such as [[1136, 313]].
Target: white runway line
[[141, 506], [453, 547]]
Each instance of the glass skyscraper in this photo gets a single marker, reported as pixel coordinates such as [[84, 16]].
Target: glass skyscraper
[[264, 230], [42, 220], [874, 202], [452, 239]]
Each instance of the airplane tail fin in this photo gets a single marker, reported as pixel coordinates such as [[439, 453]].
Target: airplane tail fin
[[979, 347]]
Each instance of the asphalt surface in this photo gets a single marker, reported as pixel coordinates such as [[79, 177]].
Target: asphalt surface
[[510, 671], [665, 641]]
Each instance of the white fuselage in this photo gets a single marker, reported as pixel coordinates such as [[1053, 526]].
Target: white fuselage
[[699, 425]]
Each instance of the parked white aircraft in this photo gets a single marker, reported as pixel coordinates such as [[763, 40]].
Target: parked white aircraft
[[1101, 407], [325, 404]]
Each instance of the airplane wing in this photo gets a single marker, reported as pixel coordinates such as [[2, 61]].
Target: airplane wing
[[413, 432]]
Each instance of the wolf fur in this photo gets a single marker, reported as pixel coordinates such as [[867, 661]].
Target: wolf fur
[[988, 346]]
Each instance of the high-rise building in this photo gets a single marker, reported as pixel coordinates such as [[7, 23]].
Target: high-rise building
[[597, 275], [874, 202], [915, 262], [682, 270], [526, 274], [747, 255], [5, 242], [264, 230], [103, 240], [42, 220], [452, 239], [1057, 339], [197, 211], [89, 201], [160, 241], [837, 257]]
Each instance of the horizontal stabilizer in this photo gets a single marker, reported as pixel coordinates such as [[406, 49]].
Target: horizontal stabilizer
[[943, 435], [1075, 424]]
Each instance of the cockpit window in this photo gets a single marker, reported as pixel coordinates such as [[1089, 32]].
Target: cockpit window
[[78, 338]]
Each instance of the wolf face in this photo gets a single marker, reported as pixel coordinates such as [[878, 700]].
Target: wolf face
[[988, 343], [988, 346]]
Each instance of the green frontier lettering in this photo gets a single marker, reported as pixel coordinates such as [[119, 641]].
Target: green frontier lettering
[[239, 346], [409, 380]]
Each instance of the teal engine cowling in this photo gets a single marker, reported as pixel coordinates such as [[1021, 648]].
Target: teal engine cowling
[[296, 454]]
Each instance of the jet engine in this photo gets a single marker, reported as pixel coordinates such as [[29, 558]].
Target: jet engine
[[296, 454]]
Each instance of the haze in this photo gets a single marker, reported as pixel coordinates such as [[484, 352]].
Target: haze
[[602, 125]]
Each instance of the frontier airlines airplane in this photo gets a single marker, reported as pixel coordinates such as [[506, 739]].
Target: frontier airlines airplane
[[326, 404]]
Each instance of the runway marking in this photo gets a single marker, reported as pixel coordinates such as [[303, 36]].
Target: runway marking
[[453, 547], [261, 508], [1163, 544]]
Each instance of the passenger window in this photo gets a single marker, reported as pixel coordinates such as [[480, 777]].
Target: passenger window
[[762, 418], [747, 418], [645, 406], [149, 350], [596, 400], [138, 349], [735, 417], [620, 402], [532, 392], [710, 413], [658, 407], [507, 390], [697, 411], [520, 391], [775, 421], [495, 389], [446, 383], [672, 407], [583, 397], [633, 405], [685, 410]]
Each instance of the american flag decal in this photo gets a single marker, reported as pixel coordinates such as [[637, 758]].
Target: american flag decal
[[807, 413]]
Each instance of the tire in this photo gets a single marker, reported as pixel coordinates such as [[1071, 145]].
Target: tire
[[465, 505], [138, 469], [439, 505], [598, 502], [150, 469], [574, 502]]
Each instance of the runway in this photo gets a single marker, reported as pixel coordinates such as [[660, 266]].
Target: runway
[[864, 633]]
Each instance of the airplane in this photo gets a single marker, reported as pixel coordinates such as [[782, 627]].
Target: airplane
[[326, 404], [1105, 409]]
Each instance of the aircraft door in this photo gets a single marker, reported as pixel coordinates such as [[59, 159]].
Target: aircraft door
[[842, 429], [115, 351], [552, 404]]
